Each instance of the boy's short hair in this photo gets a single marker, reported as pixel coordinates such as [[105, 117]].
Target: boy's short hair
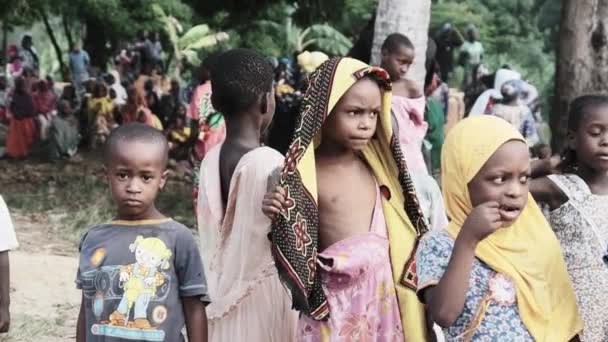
[[135, 131], [394, 41], [239, 78]]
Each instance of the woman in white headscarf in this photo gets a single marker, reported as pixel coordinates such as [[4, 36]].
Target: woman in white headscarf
[[502, 76], [119, 90]]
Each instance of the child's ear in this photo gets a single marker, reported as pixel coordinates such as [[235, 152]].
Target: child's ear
[[163, 179], [265, 103], [384, 54]]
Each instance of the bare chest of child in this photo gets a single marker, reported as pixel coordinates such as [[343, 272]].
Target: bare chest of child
[[347, 197]]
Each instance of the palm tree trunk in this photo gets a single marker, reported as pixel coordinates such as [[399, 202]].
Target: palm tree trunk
[[68, 32], [3, 58], [51, 34], [582, 60], [408, 17]]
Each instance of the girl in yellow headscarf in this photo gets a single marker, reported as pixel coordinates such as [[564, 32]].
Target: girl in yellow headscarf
[[497, 272]]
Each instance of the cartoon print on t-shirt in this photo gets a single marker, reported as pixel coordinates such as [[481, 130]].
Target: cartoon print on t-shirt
[[139, 282]]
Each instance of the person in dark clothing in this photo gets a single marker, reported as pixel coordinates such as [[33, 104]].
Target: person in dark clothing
[[447, 40], [170, 103], [362, 49]]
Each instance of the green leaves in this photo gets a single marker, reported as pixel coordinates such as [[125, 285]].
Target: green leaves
[[191, 57], [327, 39], [186, 46], [194, 36], [293, 38], [459, 14]]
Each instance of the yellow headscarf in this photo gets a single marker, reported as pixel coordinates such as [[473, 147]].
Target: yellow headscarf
[[310, 61], [528, 251], [327, 85]]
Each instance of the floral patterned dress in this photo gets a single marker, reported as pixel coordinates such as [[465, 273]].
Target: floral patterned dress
[[501, 321], [358, 282], [212, 131], [581, 225]]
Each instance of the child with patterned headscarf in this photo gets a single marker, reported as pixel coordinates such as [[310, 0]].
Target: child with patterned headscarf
[[346, 217]]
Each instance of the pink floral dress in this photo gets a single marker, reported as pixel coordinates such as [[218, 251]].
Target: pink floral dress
[[411, 130], [358, 282]]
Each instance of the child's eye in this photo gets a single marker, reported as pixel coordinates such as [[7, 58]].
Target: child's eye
[[524, 179], [498, 180], [122, 175], [147, 178], [374, 114], [595, 132]]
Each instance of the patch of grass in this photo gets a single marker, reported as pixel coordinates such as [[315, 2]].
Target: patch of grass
[[82, 201], [25, 328], [176, 201]]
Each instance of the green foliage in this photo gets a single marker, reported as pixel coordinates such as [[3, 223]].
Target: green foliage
[[263, 42], [120, 18], [285, 38], [519, 33], [127, 17], [186, 46], [326, 38], [458, 13], [107, 21], [284, 27], [355, 14]]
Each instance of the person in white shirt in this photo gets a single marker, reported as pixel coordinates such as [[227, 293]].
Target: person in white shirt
[[8, 242], [471, 53]]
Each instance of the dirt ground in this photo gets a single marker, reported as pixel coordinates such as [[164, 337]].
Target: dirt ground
[[44, 301]]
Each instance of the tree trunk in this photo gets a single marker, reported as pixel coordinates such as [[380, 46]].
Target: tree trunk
[[95, 43], [68, 32], [408, 17], [3, 57], [582, 60], [49, 31]]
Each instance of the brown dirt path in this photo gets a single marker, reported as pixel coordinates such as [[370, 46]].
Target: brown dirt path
[[44, 300]]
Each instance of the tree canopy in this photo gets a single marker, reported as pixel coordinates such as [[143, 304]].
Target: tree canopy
[[521, 33]]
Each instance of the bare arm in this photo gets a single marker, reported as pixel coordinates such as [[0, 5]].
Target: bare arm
[[196, 319], [544, 167], [5, 318], [413, 89], [545, 191], [445, 301], [81, 324]]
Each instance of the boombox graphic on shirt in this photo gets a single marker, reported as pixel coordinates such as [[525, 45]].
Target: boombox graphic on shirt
[[128, 300]]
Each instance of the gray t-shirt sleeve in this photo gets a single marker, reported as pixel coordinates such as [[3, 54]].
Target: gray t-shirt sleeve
[[78, 277], [78, 280], [189, 267]]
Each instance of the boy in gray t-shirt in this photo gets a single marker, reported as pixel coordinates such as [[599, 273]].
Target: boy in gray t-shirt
[[141, 275]]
